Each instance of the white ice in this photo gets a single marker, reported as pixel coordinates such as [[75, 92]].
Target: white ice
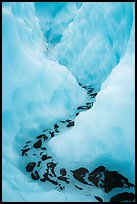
[[39, 86]]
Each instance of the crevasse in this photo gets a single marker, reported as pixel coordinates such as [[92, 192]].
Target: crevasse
[[42, 65]]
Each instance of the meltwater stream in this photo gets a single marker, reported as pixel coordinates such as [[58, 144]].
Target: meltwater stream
[[43, 166], [57, 144]]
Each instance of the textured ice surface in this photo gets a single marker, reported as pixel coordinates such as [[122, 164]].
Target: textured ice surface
[[89, 48], [54, 18], [47, 48]]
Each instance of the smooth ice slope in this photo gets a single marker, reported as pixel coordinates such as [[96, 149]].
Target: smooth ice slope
[[36, 91], [37, 87], [95, 41]]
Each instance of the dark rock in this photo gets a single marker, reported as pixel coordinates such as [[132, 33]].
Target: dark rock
[[98, 198], [35, 175], [52, 181], [77, 114], [61, 187], [63, 179], [25, 146], [86, 107], [43, 148], [123, 197], [56, 126], [34, 154], [94, 180], [52, 134], [51, 166], [92, 95], [38, 144], [63, 172], [68, 120], [108, 180], [79, 174], [42, 136], [96, 174], [62, 121], [30, 166], [39, 162], [78, 187], [82, 107], [70, 124], [28, 142], [45, 177], [113, 179], [24, 151], [90, 90], [50, 174], [97, 171], [45, 157], [41, 153], [88, 103]]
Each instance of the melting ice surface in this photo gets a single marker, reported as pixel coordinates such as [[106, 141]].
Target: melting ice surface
[[48, 49]]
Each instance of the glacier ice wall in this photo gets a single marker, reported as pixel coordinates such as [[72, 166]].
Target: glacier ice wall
[[25, 68], [43, 57], [51, 21], [89, 48], [36, 90]]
